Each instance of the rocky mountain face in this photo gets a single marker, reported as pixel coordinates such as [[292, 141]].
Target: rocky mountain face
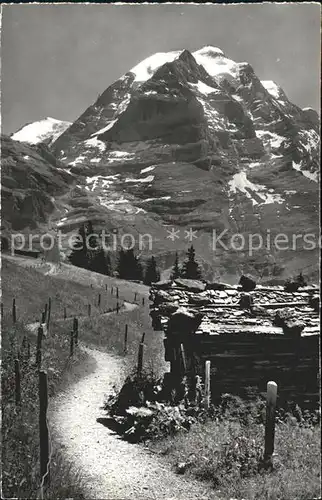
[[32, 181], [196, 142]]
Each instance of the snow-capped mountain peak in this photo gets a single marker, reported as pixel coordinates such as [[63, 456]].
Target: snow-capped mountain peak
[[189, 139], [45, 130], [146, 68]]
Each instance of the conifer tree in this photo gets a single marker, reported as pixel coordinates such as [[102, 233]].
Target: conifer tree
[[190, 268], [175, 269], [129, 266], [152, 274], [78, 256], [100, 262]]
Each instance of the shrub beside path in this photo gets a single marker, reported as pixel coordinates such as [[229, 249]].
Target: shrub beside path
[[112, 469]]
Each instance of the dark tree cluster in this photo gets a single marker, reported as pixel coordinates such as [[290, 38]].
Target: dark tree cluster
[[88, 253], [190, 268]]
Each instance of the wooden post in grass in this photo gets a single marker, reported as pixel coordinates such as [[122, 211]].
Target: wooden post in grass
[[271, 397], [43, 427], [140, 356], [71, 350], [142, 301], [43, 317], [46, 311], [75, 330], [17, 382], [39, 341], [14, 311], [207, 383], [117, 307], [117, 292], [135, 294], [65, 313], [183, 357], [89, 309], [112, 291], [49, 312], [99, 300], [105, 287], [125, 338], [1, 310]]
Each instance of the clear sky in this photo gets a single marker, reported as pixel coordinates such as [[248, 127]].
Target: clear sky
[[56, 59]]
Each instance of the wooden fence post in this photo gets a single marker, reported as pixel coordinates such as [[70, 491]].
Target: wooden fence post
[[135, 294], [112, 291], [43, 428], [207, 383], [65, 313], [142, 301], [1, 310], [117, 292], [99, 300], [105, 287], [125, 338], [39, 341], [14, 311], [71, 351], [89, 309], [117, 307], [43, 317], [46, 311], [271, 397], [140, 359], [183, 357], [17, 382], [75, 329], [49, 312]]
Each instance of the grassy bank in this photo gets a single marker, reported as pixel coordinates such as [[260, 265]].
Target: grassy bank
[[20, 432], [227, 450], [31, 289]]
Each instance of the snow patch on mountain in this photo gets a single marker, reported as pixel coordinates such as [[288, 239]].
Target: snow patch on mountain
[[101, 181], [241, 183], [120, 154], [271, 88], [40, 131], [313, 176], [105, 129], [146, 68], [149, 178], [95, 143], [156, 199], [273, 139], [310, 139], [203, 88], [215, 120], [147, 169], [79, 159], [215, 62]]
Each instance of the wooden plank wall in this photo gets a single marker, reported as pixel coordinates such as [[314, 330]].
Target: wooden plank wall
[[243, 361]]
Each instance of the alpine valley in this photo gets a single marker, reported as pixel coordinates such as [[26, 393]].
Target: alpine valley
[[193, 142]]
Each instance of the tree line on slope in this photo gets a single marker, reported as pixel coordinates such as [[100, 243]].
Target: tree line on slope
[[88, 253]]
